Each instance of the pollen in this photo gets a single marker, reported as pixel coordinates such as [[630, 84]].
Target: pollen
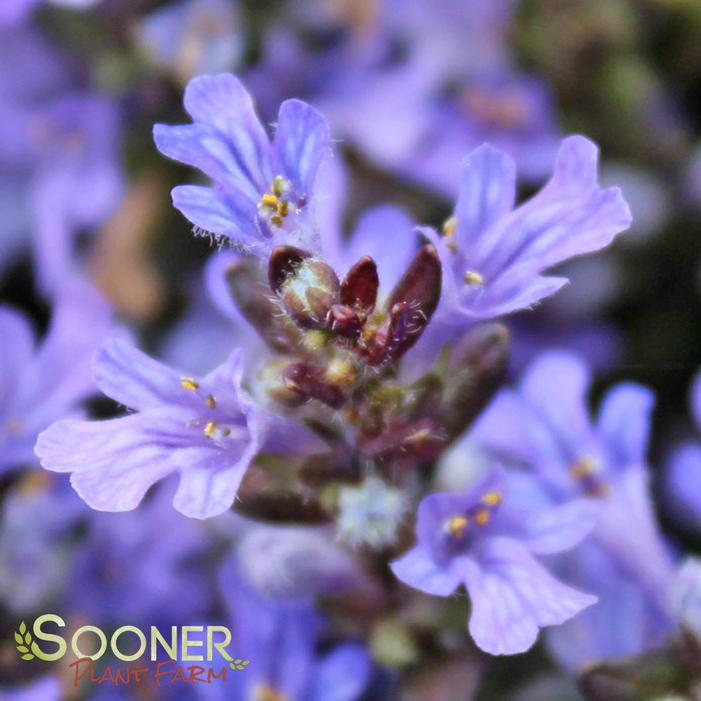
[[265, 692], [269, 201], [491, 498], [210, 429], [449, 226], [211, 402], [583, 468], [457, 526], [189, 384], [473, 278], [280, 185], [482, 517]]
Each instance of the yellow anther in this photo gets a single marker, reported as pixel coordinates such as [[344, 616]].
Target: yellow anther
[[265, 692], [473, 278], [276, 219], [283, 208], [449, 226], [189, 384], [280, 186], [211, 428], [211, 401], [583, 468], [268, 200], [482, 517], [491, 498], [457, 526]]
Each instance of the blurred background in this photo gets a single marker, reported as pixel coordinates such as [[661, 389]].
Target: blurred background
[[409, 87]]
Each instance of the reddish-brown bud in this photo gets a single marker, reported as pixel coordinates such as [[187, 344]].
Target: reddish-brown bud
[[359, 287], [310, 382], [248, 290]]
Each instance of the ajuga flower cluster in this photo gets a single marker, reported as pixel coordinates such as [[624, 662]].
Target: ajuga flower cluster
[[375, 353], [353, 413]]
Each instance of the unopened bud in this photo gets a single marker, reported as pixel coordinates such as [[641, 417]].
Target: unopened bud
[[359, 287], [310, 382], [478, 366], [306, 286]]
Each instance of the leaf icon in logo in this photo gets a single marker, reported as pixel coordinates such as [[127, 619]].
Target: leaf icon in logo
[[23, 638], [239, 664]]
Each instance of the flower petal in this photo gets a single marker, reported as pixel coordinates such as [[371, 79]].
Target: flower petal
[[417, 569], [115, 462], [624, 423], [134, 379], [201, 146], [513, 596], [210, 481], [301, 143], [17, 351], [560, 528], [487, 193], [683, 484], [222, 102], [341, 675], [218, 212]]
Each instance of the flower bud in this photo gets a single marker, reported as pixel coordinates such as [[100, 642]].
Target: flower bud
[[306, 286], [247, 289], [311, 382]]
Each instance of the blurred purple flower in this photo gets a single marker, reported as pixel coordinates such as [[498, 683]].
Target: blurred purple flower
[[280, 636], [39, 385], [682, 485], [486, 539], [513, 113], [192, 37], [545, 426], [493, 255], [60, 143], [206, 430], [36, 553], [142, 567], [264, 190], [291, 561], [44, 689]]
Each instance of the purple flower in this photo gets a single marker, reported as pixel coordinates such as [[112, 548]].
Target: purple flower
[[291, 561], [38, 519], [681, 482], [39, 385], [125, 569], [486, 539], [191, 37], [13, 12], [44, 689], [263, 193], [545, 426], [280, 636], [60, 148], [494, 255], [207, 430], [513, 113]]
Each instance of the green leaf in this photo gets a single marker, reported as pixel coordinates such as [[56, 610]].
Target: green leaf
[[28, 656], [22, 628], [18, 638], [22, 648], [28, 638]]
